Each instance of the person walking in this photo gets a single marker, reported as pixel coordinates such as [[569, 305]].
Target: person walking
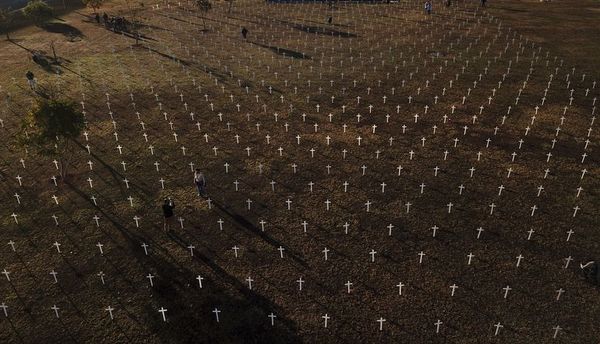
[[200, 182], [168, 213], [31, 79], [428, 7]]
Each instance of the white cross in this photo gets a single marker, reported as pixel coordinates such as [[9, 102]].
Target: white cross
[[55, 309], [381, 321], [109, 309], [272, 316], [519, 258], [453, 287], [216, 311], [479, 231], [498, 326], [470, 256], [400, 285], [54, 273], [200, 278], [150, 277], [556, 330], [137, 221], [300, 281], [437, 325], [568, 259], [325, 317], [434, 229], [163, 311], [348, 285], [372, 253], [421, 254], [5, 309], [506, 290]]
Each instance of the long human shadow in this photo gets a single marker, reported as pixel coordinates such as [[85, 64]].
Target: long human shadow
[[13, 41], [317, 30], [242, 319], [245, 224], [118, 176], [170, 57], [284, 52]]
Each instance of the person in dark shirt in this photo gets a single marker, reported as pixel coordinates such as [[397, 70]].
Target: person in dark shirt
[[168, 213], [245, 33], [200, 182], [31, 79]]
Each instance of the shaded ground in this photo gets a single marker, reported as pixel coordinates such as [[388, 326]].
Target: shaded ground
[[207, 97]]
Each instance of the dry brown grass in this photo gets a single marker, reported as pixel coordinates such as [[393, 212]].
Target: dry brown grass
[[400, 35]]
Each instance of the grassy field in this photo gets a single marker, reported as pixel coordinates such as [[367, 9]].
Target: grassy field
[[301, 130]]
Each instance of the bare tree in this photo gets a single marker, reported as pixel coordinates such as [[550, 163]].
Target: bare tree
[[94, 4], [6, 18], [204, 6]]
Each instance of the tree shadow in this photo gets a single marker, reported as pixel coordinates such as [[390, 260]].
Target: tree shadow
[[64, 29], [47, 62]]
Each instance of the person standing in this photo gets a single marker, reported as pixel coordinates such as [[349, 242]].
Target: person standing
[[245, 33], [200, 182], [168, 213]]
